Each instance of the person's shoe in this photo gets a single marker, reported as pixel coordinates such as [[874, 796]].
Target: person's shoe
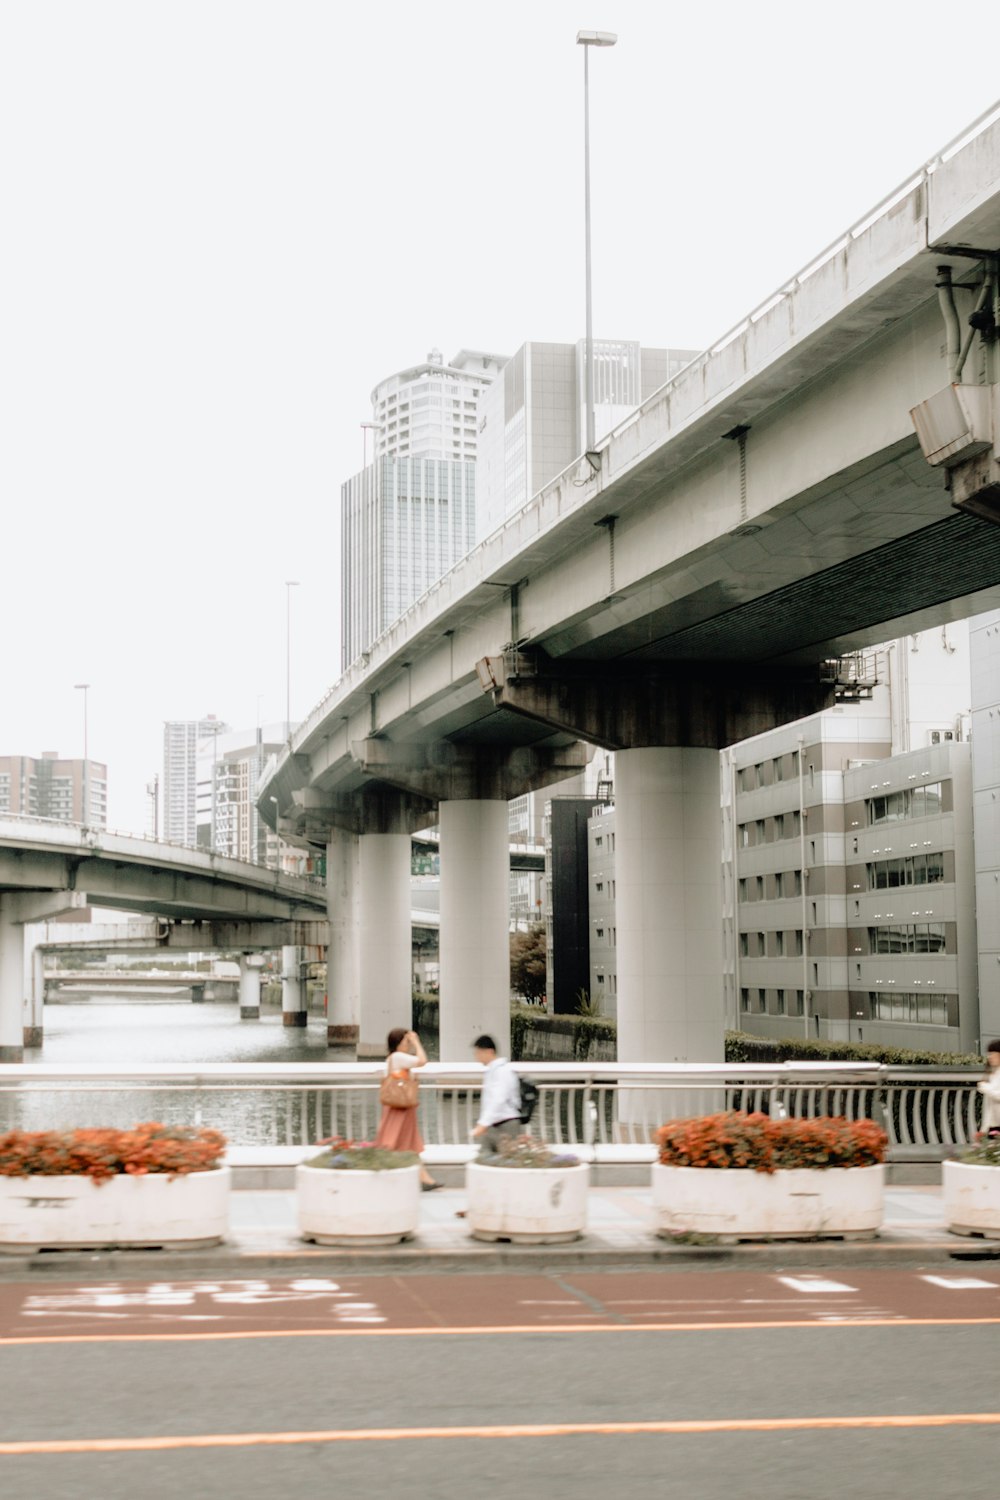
[[428, 1187]]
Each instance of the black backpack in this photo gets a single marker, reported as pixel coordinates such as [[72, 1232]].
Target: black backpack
[[529, 1098]]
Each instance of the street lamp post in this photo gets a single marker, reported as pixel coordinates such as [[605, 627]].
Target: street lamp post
[[84, 688], [586, 40], [290, 583]]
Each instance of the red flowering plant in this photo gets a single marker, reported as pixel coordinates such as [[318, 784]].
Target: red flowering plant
[[169, 1150], [756, 1143]]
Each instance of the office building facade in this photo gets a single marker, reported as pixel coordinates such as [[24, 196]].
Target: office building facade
[[532, 423], [409, 515], [50, 786]]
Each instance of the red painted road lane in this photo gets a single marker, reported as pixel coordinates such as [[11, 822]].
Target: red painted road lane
[[373, 1304]]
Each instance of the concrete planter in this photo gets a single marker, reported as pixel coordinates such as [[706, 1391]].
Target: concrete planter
[[527, 1205], [358, 1208], [972, 1199], [121, 1213], [804, 1203]]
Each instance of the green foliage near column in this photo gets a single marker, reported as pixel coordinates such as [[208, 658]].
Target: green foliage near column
[[527, 963]]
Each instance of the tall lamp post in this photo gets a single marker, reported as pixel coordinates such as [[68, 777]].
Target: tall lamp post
[[84, 688], [290, 583], [586, 40]]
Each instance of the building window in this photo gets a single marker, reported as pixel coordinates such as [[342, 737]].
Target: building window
[[915, 869], [779, 1002], [744, 1000], [761, 945], [915, 802], [744, 945], [760, 887], [758, 828], [779, 885], [908, 937], [779, 940], [798, 942], [799, 1003], [913, 1010], [779, 826], [743, 889], [744, 836]]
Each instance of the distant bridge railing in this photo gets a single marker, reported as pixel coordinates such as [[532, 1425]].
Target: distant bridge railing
[[611, 1107]]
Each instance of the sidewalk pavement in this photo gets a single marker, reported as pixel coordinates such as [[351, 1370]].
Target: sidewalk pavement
[[621, 1233]]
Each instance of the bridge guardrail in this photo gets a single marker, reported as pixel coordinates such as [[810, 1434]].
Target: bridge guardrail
[[927, 1113]]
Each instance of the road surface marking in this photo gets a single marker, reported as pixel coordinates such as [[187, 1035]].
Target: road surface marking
[[961, 1283], [814, 1284], [850, 1320], [51, 1446]]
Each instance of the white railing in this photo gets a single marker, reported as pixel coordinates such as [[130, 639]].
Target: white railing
[[927, 1113]]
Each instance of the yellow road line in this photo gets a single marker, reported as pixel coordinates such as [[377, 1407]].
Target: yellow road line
[[540, 1430], [464, 1332]]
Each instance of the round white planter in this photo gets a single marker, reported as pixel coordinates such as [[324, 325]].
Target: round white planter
[[123, 1212], [972, 1199], [735, 1204], [358, 1208], [527, 1205]]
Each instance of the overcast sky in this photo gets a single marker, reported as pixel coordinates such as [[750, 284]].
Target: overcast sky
[[225, 222]]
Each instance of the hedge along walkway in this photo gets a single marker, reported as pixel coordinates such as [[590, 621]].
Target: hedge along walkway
[[540, 1037]]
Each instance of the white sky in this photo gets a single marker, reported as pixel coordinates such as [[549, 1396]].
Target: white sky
[[226, 220]]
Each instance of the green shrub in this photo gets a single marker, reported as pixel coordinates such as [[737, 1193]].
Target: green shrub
[[743, 1048]]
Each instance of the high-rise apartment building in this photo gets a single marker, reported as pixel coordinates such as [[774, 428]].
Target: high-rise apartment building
[[179, 787], [409, 515], [533, 418], [229, 764], [984, 653], [68, 791]]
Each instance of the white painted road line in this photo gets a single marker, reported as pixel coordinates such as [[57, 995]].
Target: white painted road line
[[812, 1284], [961, 1283]]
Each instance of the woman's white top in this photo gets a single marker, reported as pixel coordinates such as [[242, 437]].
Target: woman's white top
[[400, 1060]]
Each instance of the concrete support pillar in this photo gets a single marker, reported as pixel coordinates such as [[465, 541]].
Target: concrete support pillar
[[343, 986], [34, 978], [475, 926], [293, 990], [11, 986], [386, 939], [249, 990], [668, 905]]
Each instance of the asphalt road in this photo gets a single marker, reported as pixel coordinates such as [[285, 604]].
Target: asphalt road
[[654, 1383]]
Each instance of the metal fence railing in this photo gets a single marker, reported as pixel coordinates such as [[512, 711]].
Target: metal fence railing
[[926, 1112]]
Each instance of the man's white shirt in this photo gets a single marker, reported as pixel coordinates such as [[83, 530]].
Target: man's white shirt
[[501, 1097]]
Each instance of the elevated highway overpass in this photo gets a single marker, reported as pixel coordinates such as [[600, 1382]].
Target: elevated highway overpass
[[192, 897], [691, 582]]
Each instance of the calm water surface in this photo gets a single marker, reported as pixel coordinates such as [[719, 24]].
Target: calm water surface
[[129, 1033]]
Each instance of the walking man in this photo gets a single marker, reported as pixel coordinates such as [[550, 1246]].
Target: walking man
[[500, 1105]]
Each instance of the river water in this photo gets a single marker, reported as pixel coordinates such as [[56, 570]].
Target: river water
[[131, 1032]]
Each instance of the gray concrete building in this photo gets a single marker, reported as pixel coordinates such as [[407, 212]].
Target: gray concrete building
[[984, 651], [51, 786], [532, 419]]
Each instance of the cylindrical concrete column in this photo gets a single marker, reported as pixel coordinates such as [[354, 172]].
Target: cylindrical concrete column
[[249, 990], [668, 905], [11, 988], [386, 939], [475, 926], [34, 978], [293, 990], [343, 954]]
